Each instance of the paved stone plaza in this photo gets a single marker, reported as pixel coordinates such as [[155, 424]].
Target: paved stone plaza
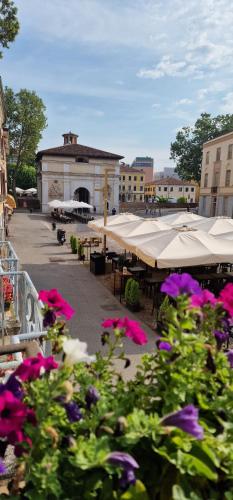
[[53, 266]]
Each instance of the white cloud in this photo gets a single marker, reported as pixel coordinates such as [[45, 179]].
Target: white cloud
[[183, 102], [227, 103], [156, 105], [167, 67]]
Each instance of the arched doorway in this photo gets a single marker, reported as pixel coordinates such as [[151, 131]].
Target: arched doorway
[[82, 194]]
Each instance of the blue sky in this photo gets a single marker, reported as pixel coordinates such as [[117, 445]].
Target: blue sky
[[124, 74]]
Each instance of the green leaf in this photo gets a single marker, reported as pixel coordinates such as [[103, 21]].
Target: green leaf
[[136, 492]]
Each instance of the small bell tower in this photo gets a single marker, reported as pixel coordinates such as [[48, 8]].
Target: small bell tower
[[70, 138]]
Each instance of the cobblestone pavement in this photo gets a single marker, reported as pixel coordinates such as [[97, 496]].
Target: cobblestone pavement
[[53, 266]]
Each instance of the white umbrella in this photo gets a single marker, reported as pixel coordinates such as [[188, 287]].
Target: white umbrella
[[31, 190], [98, 224], [225, 236], [180, 248], [19, 190], [85, 205], [71, 204], [180, 218], [55, 204], [214, 225], [130, 230]]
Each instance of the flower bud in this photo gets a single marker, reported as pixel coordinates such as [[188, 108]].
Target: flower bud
[[68, 390]]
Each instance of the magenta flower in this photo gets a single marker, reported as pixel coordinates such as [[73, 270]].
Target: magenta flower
[[13, 414], [2, 467], [56, 302], [226, 297], [186, 420], [230, 357], [203, 298], [130, 328], [32, 368], [164, 346], [180, 284], [127, 462], [18, 439]]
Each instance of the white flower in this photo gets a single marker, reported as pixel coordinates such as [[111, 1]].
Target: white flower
[[76, 352]]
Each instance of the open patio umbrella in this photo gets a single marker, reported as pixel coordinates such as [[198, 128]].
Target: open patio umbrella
[[130, 230], [55, 204], [85, 205], [180, 218], [31, 190], [180, 247], [98, 224], [214, 225], [71, 204], [19, 190]]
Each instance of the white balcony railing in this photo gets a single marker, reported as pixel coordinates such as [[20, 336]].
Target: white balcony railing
[[25, 309], [9, 261]]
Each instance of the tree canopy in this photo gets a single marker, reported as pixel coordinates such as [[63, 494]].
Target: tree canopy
[[9, 24], [26, 120], [25, 177], [186, 150]]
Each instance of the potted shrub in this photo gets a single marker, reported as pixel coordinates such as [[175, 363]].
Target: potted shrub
[[7, 292], [81, 255], [132, 295], [74, 246]]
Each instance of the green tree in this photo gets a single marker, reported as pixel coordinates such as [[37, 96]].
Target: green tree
[[25, 176], [26, 120], [186, 150], [9, 24]]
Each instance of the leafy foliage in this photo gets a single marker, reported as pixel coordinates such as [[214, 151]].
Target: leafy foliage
[[69, 460], [186, 150], [9, 25], [26, 120], [25, 177], [132, 293], [182, 199]]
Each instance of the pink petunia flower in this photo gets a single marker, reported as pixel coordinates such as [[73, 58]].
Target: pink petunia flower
[[130, 327], [56, 302], [205, 297], [32, 368], [226, 297], [13, 414]]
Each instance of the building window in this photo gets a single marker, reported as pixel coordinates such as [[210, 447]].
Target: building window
[[123, 188], [141, 178], [141, 188], [129, 197], [186, 190], [120, 178], [230, 148], [218, 154], [228, 178], [165, 188], [123, 177], [192, 190], [180, 190], [225, 205], [134, 188], [159, 188], [134, 197], [205, 181], [171, 188], [204, 204], [141, 197], [135, 178], [207, 158], [191, 200], [129, 188], [129, 177]]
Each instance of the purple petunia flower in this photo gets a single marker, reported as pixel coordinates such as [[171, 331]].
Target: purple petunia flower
[[13, 385], [186, 420], [92, 396], [230, 357], [128, 463], [49, 318], [73, 411], [221, 337], [180, 284], [164, 346], [2, 467]]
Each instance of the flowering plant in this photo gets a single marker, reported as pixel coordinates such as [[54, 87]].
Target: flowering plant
[[80, 431], [7, 290]]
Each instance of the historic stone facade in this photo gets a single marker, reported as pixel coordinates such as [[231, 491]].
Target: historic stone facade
[[74, 171]]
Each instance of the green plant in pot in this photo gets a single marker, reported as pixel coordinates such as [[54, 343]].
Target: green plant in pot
[[74, 246], [80, 251], [71, 240], [132, 295]]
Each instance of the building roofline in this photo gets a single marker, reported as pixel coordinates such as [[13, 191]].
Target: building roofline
[[170, 181], [219, 137]]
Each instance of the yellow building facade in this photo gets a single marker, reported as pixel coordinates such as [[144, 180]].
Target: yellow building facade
[[131, 185]]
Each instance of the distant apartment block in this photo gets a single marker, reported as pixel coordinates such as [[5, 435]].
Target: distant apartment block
[[145, 163], [216, 191], [131, 184], [166, 172], [170, 188]]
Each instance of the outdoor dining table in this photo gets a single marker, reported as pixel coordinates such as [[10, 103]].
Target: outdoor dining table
[[115, 262], [137, 271]]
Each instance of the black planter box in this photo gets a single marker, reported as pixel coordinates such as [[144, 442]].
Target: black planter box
[[97, 263]]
